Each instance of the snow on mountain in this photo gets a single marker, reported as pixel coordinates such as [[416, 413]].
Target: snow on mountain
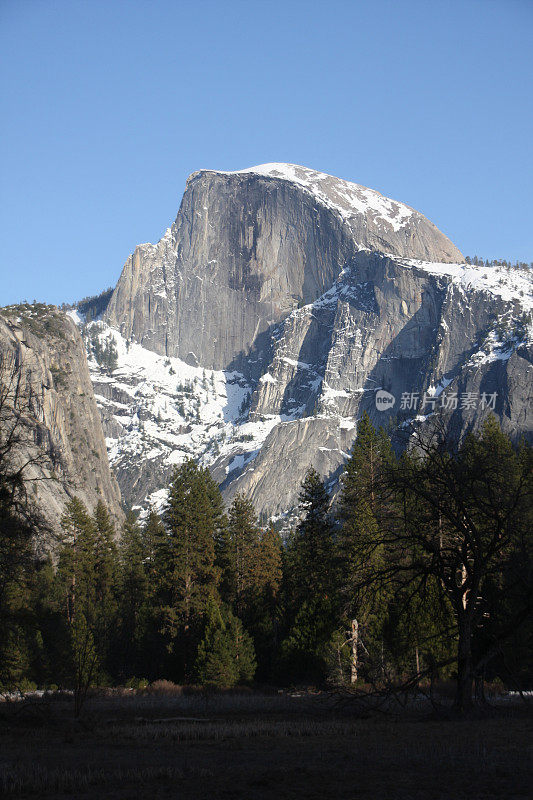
[[510, 283], [344, 196], [76, 317], [161, 409], [301, 295]]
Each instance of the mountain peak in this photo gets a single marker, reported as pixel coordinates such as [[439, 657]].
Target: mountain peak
[[344, 196]]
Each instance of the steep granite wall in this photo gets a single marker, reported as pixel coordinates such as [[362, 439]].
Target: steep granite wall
[[65, 424], [309, 294], [248, 247]]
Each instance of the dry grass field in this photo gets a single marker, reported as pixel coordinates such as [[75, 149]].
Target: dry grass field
[[191, 746]]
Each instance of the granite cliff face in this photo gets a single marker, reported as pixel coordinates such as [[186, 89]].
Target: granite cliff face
[[63, 423], [270, 314], [420, 332], [248, 247]]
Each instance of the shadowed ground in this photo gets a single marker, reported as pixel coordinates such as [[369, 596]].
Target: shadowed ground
[[258, 746]]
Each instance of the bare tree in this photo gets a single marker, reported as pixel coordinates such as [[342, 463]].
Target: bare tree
[[21, 462], [461, 518]]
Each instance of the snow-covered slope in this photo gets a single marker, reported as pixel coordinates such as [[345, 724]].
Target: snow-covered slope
[[510, 283], [344, 196], [159, 411], [326, 361], [257, 330]]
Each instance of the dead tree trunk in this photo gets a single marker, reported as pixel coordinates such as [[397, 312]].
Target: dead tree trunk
[[354, 640]]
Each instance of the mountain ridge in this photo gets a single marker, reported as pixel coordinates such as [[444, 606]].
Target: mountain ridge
[[301, 313], [63, 438], [263, 236]]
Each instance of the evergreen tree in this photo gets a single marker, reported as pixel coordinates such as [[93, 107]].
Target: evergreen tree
[[133, 565], [268, 564], [243, 534], [364, 503], [309, 587], [304, 652], [86, 575], [153, 639], [76, 566], [50, 636], [226, 654], [154, 540], [263, 612], [187, 575], [312, 546], [132, 557], [105, 564]]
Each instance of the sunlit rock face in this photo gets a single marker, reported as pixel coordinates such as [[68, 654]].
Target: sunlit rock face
[[62, 435], [283, 300], [248, 247]]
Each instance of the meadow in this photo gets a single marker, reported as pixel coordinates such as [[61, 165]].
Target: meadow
[[167, 742]]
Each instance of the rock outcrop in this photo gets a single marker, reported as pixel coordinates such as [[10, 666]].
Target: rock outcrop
[[295, 298], [427, 340], [62, 422], [248, 247]]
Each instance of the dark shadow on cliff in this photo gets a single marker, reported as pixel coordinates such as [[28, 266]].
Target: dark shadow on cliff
[[399, 374], [320, 336]]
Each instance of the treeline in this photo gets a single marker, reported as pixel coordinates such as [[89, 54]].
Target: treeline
[[95, 305], [498, 262], [422, 567], [105, 353]]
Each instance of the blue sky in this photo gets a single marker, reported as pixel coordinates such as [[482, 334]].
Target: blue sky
[[108, 106]]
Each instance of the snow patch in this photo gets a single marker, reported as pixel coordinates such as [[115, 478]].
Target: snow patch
[[267, 378], [511, 284], [347, 198], [76, 317]]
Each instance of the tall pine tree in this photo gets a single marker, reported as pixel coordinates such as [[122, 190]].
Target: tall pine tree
[[309, 585], [244, 537], [363, 505], [187, 575]]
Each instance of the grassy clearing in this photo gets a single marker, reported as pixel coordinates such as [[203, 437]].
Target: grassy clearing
[[251, 745], [36, 779], [222, 730]]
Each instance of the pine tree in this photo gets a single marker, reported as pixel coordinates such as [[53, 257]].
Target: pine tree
[[87, 575], [154, 540], [243, 532], [309, 586], [50, 636], [133, 555], [134, 587], [363, 507], [312, 546], [268, 564], [105, 562], [262, 612], [187, 575], [76, 567], [304, 651], [226, 654], [153, 638]]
